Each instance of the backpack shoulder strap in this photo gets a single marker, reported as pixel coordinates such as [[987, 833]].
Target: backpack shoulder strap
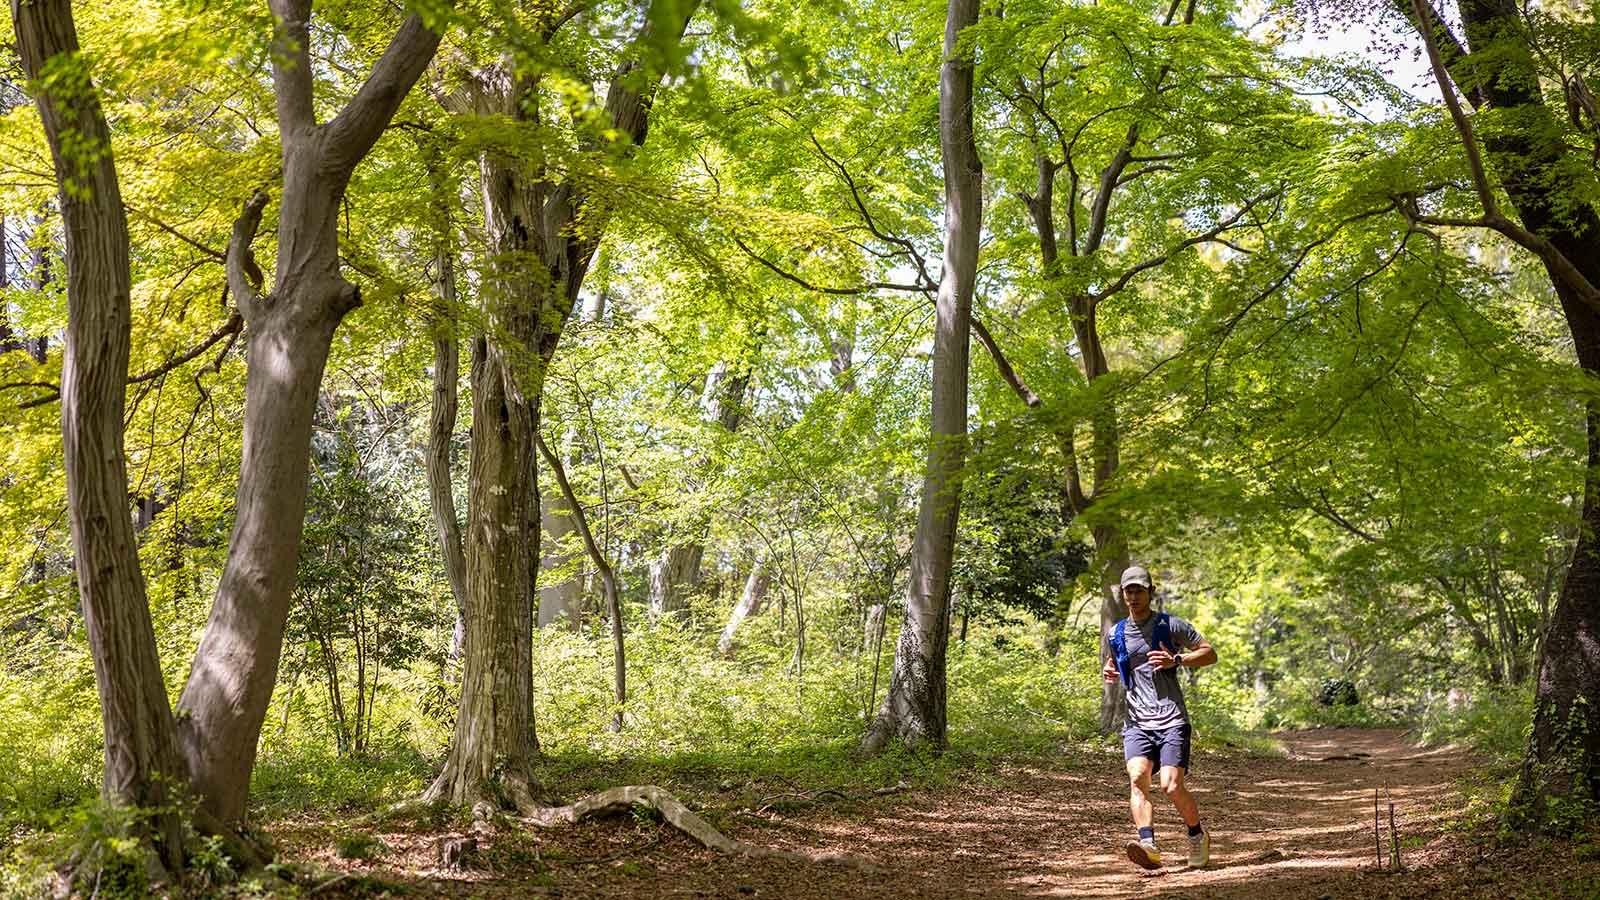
[[1161, 635]]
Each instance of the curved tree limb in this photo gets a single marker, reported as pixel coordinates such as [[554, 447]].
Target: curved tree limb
[[244, 276]]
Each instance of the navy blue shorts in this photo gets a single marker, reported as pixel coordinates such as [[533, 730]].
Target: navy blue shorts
[[1169, 747]]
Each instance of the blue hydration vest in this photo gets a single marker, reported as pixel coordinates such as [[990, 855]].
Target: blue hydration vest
[[1161, 637]]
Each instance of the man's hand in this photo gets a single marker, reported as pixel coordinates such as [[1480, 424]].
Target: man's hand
[[1109, 671], [1162, 658]]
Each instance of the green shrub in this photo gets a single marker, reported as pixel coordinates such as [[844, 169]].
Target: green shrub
[[358, 845]]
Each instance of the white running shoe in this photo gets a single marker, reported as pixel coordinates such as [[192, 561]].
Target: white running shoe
[[1199, 849], [1144, 854]]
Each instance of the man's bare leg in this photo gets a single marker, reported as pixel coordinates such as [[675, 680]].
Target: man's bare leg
[[1144, 814], [1142, 852], [1172, 783]]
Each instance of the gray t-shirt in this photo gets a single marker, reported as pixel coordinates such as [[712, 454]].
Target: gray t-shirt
[[1156, 701]]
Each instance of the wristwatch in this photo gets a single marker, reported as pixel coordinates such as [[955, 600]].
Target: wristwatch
[[1179, 658]]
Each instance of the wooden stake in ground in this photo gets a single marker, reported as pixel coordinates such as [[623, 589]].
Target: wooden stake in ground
[[1394, 840], [1377, 836]]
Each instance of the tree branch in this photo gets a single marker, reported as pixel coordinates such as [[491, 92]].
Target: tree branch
[[209, 251], [1205, 237], [53, 396], [1007, 373], [232, 326], [244, 276], [291, 64], [1109, 179], [353, 132], [822, 289]]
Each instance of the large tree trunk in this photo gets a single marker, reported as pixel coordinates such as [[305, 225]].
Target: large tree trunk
[[528, 305], [913, 709], [672, 576], [289, 334], [494, 737], [143, 768], [1529, 156]]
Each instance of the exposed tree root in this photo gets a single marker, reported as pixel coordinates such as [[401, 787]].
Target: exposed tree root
[[492, 811], [676, 814]]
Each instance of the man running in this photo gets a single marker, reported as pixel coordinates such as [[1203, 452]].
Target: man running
[[1146, 650]]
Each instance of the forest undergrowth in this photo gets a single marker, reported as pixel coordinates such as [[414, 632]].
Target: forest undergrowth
[[698, 723]]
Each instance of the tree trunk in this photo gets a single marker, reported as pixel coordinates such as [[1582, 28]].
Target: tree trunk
[[494, 737], [42, 277], [143, 768], [441, 435], [528, 305], [750, 604], [289, 334], [562, 601], [672, 576], [1529, 158], [913, 710]]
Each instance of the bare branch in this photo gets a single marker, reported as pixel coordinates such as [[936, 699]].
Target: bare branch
[[1007, 373], [1469, 141], [822, 289], [232, 326], [53, 396], [209, 251], [1205, 237]]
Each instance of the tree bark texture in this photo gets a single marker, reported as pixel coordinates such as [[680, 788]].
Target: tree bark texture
[[494, 736], [913, 710], [537, 260], [442, 423], [750, 604], [1563, 759], [143, 767], [289, 334], [673, 575]]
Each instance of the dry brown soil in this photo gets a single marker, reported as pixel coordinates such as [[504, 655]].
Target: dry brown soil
[[1291, 827]]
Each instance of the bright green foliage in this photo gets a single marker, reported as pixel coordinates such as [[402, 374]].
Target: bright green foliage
[[1348, 448]]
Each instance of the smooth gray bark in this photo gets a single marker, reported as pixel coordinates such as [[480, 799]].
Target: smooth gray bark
[[289, 332], [913, 710]]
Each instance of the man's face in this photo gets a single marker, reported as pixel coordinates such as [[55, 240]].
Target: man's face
[[1137, 596]]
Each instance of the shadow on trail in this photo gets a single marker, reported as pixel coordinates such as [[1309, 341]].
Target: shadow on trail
[[1282, 828]]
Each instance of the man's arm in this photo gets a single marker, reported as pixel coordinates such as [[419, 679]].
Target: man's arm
[[1199, 655], [1197, 652]]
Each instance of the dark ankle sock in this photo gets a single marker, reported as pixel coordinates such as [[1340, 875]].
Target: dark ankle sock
[[1147, 834], [1194, 829]]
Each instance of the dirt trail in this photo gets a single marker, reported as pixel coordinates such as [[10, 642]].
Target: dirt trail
[[1299, 826]]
